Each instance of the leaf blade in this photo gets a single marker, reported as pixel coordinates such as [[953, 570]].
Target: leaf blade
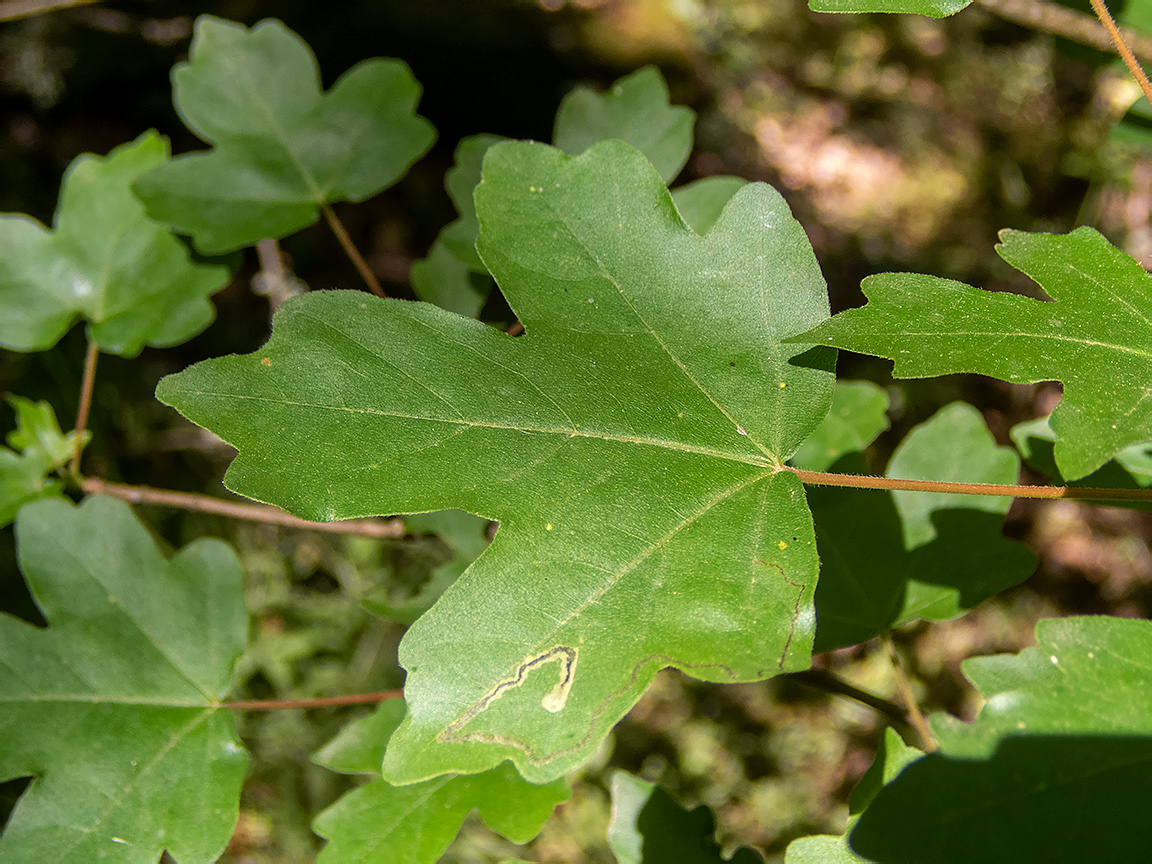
[[281, 147], [621, 448], [1045, 771], [127, 674], [103, 261]]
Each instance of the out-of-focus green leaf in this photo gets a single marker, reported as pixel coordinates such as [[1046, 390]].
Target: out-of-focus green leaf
[[443, 280], [630, 444], [415, 824], [1095, 330], [931, 8], [702, 201], [1049, 771], [858, 415], [459, 237], [40, 448], [1130, 469], [103, 261], [37, 433], [891, 557], [113, 709], [891, 757], [635, 109], [464, 533], [1136, 14], [281, 147], [22, 480], [649, 827]]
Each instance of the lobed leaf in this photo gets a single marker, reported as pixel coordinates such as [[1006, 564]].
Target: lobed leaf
[[1096, 329], [630, 444], [1050, 768], [415, 824], [39, 449], [113, 709], [280, 147], [103, 261], [636, 110]]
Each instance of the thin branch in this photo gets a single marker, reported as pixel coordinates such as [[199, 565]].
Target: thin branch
[[1121, 46], [350, 250], [14, 9], [821, 679], [391, 528], [87, 382], [1069, 23], [1075, 493], [914, 715], [322, 702]]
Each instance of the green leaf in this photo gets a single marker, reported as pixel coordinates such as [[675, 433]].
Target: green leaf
[[701, 202], [103, 261], [649, 827], [1048, 771], [891, 758], [1096, 328], [635, 109], [464, 533], [41, 448], [37, 433], [858, 415], [459, 237], [22, 480], [891, 557], [281, 147], [931, 8], [629, 443], [443, 280], [1130, 469], [415, 824], [140, 757]]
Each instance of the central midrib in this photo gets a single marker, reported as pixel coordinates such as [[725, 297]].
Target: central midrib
[[569, 432]]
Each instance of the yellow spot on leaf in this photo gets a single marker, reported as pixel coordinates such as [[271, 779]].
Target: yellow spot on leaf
[[548, 527], [782, 385], [782, 545], [267, 361]]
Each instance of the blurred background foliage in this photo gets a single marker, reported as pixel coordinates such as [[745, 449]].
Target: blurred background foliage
[[900, 142]]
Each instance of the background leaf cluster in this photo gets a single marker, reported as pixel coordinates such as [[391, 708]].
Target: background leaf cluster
[[311, 639]]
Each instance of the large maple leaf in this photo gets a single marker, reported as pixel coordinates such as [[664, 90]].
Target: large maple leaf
[[631, 445]]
